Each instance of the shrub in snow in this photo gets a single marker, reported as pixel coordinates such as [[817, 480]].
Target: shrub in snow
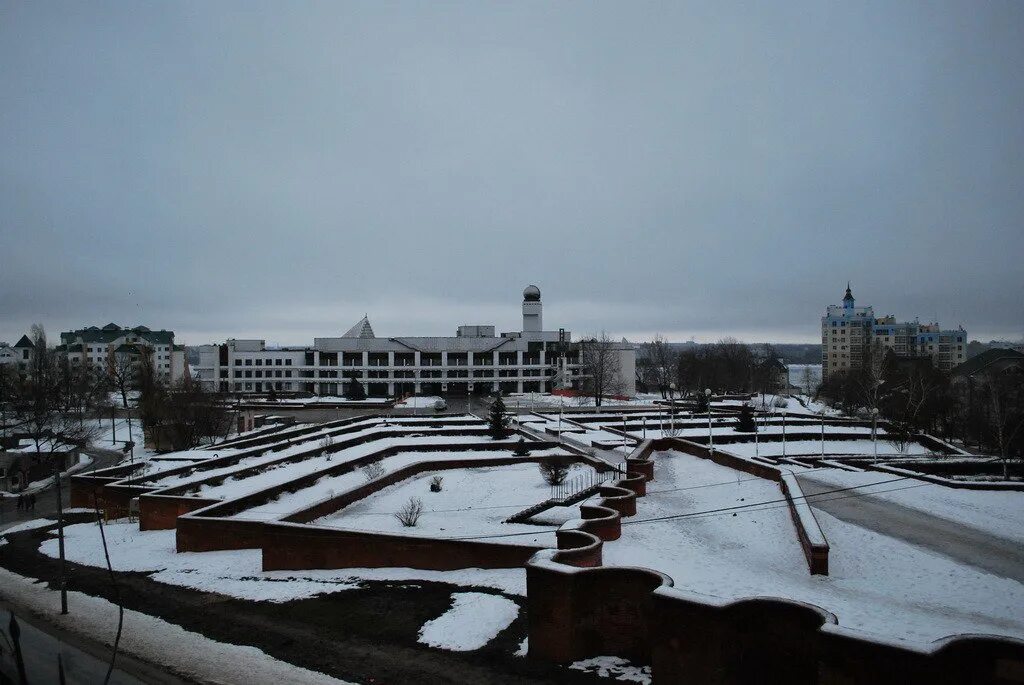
[[521, 449], [410, 512], [435, 483], [373, 470], [554, 472], [780, 402], [745, 422]]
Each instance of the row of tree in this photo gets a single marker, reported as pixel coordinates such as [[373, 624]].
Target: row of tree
[[51, 401], [726, 366], [985, 411]]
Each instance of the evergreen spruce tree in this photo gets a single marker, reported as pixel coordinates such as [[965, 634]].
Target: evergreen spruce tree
[[701, 401], [745, 422], [497, 421], [354, 390]]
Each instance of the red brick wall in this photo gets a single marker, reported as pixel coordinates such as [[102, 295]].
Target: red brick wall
[[196, 534], [579, 613], [161, 512], [294, 547]]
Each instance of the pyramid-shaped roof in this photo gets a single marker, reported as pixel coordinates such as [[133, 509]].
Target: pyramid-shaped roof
[[362, 329]]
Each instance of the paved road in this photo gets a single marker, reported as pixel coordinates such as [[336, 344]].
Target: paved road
[[964, 544], [46, 500]]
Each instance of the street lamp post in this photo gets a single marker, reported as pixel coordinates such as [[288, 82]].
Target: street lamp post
[[711, 436], [822, 433], [672, 409], [757, 449], [783, 412], [874, 432]]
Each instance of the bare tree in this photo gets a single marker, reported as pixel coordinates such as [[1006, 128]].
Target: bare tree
[[871, 381], [601, 369], [39, 403], [807, 381], [1005, 398], [904, 401], [188, 415], [121, 369], [658, 362]]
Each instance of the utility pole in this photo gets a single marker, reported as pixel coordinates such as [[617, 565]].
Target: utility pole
[[60, 543]]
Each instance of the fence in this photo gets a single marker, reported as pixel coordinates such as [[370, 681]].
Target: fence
[[588, 480]]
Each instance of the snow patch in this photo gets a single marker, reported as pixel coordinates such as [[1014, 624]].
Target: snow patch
[[474, 619], [614, 667]]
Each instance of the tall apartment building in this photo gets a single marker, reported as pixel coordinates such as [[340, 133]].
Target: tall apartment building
[[101, 348], [849, 332], [475, 361]]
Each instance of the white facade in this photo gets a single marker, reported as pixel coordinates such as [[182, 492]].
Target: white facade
[[99, 347], [475, 361]]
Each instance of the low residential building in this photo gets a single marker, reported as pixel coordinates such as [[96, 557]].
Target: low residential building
[[112, 345], [17, 356], [849, 334], [475, 360]]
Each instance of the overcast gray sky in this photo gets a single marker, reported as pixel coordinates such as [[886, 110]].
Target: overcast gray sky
[[277, 169]]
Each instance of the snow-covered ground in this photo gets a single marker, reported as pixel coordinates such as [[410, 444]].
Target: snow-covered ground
[[418, 402], [614, 667], [813, 447], [473, 501], [543, 399], [875, 583], [312, 441], [474, 619], [155, 640], [729, 430], [321, 399], [113, 435], [275, 475], [330, 485], [239, 573]]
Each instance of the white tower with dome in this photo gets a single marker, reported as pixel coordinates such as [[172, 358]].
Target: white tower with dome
[[533, 320]]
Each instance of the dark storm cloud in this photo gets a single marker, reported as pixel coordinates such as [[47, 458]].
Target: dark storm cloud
[[692, 169]]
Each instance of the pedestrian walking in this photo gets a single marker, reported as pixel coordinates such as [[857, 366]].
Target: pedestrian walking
[[32, 502], [21, 502]]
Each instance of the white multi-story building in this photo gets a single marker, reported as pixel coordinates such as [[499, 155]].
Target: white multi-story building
[[475, 361], [849, 332], [102, 348]]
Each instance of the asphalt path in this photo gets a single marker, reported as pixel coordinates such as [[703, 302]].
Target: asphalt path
[[46, 500], [957, 541]]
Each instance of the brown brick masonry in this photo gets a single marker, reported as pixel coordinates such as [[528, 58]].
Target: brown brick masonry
[[577, 611], [151, 519], [578, 608], [210, 527]]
